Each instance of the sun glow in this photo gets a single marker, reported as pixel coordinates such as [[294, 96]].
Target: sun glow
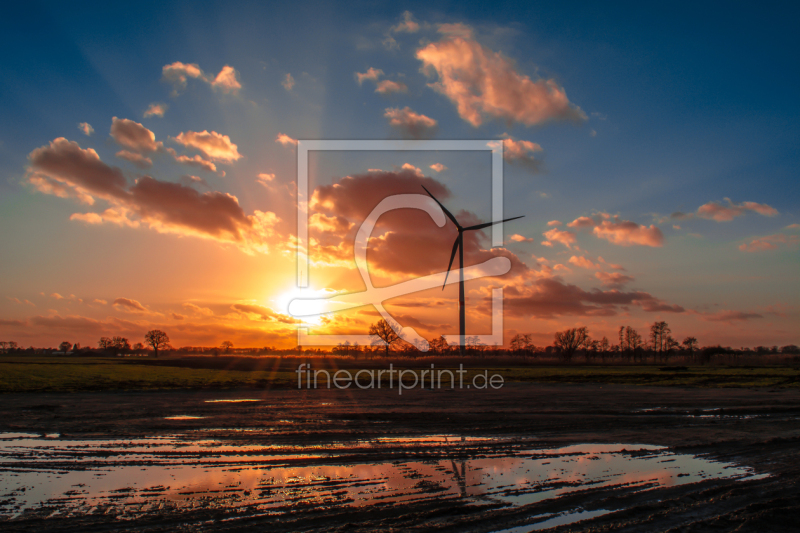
[[284, 299]]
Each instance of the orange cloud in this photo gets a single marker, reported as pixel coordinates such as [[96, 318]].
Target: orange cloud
[[204, 311], [227, 81], [582, 222], [86, 128], [729, 316], [156, 109], [621, 232], [407, 25], [438, 167], [288, 82], [612, 265], [551, 297], [583, 262], [770, 242], [134, 136], [264, 313], [372, 74], [285, 140], [265, 179], [389, 87], [125, 304], [334, 224], [627, 233], [188, 179], [567, 238], [613, 279], [406, 243], [409, 122], [483, 83], [554, 223], [726, 213], [412, 168], [177, 74], [118, 216], [214, 145], [520, 151], [18, 301], [354, 197], [137, 159], [163, 206], [196, 161], [520, 238], [47, 185], [75, 169]]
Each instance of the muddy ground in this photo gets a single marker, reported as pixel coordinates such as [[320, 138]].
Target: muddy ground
[[759, 429]]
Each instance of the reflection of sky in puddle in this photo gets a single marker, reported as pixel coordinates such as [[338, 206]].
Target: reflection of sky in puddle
[[134, 475], [548, 521]]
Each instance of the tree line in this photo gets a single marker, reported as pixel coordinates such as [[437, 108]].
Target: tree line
[[657, 345]]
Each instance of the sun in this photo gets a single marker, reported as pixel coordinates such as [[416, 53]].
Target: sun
[[282, 302]]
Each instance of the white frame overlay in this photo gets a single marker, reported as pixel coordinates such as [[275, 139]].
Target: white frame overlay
[[306, 146]]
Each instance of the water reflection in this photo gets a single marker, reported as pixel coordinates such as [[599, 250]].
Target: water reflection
[[138, 475]]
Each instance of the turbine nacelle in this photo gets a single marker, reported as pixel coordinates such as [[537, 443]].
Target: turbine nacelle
[[459, 242]]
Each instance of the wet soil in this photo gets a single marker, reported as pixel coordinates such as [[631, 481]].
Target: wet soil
[[755, 429]]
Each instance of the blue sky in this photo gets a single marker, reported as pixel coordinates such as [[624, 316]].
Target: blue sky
[[684, 107]]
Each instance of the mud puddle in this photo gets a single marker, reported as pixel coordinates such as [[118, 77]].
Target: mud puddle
[[64, 477]]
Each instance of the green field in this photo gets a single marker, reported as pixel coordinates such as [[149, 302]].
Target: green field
[[72, 374]]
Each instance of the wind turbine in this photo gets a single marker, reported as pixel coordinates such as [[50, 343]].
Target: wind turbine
[[459, 246]]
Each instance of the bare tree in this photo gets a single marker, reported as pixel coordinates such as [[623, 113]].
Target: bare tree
[[522, 343], [65, 346], [633, 342], [527, 344], [571, 340], [227, 346], [690, 345], [669, 345], [120, 344], [516, 343], [383, 331], [604, 347], [659, 333], [105, 343], [157, 339], [438, 345]]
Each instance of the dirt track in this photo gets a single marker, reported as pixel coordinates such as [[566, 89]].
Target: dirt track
[[758, 429]]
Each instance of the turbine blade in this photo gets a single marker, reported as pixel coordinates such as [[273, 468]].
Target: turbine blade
[[452, 256], [446, 212], [486, 225]]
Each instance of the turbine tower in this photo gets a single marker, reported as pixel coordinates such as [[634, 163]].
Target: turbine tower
[[459, 246]]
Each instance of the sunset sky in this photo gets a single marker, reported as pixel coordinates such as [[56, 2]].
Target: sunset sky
[[148, 159]]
